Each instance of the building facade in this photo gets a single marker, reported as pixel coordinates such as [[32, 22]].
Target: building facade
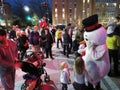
[[71, 11], [107, 9], [74, 11]]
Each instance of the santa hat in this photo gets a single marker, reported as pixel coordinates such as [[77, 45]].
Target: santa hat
[[91, 23]]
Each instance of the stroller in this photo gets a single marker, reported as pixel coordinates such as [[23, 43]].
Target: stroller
[[33, 80]]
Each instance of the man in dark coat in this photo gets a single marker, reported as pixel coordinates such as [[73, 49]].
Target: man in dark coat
[[66, 42], [48, 43]]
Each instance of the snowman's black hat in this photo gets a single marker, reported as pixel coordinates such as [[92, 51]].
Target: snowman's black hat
[[91, 23]]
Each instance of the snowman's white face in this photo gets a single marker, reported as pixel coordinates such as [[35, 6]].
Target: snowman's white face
[[96, 37], [89, 41]]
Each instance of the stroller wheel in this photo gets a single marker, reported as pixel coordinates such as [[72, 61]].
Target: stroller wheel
[[24, 86]]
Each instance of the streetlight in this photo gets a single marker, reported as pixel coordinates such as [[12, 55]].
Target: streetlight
[[26, 8]]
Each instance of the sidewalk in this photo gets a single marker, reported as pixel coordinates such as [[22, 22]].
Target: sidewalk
[[52, 68]]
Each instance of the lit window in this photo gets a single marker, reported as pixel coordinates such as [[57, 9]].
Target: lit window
[[56, 15], [114, 4], [112, 18], [107, 4], [55, 9], [88, 1], [83, 10], [83, 1], [63, 10], [63, 15]]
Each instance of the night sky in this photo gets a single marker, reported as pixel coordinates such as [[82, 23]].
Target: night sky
[[34, 5], [25, 2]]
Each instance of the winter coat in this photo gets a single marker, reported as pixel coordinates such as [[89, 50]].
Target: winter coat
[[48, 41], [66, 39]]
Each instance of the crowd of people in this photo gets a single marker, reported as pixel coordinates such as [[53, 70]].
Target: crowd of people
[[13, 46], [41, 39]]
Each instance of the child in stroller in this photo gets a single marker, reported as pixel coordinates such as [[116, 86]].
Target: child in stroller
[[33, 74]]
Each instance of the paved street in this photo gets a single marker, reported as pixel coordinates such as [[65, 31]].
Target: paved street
[[52, 68]]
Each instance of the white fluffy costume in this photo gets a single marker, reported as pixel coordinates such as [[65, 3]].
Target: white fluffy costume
[[96, 53]]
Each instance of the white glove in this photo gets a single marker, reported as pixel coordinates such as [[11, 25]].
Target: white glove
[[81, 48]]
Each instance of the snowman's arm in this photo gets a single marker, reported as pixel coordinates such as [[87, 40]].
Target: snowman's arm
[[98, 52]]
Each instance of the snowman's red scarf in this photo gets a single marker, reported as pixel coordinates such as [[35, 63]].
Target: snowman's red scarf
[[89, 28]]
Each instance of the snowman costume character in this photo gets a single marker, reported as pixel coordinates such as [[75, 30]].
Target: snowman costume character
[[96, 57]]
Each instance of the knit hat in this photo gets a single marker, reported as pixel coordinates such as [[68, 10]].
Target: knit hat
[[111, 27], [110, 30], [91, 23]]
